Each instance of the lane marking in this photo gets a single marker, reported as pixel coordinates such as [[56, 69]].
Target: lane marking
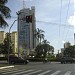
[[8, 70], [13, 71], [22, 72], [6, 67], [33, 72], [45, 72], [55, 73], [68, 73]]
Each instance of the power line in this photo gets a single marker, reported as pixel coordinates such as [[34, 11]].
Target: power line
[[68, 29], [60, 21], [49, 23], [66, 19]]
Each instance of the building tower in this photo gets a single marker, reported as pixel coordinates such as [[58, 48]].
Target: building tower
[[26, 39]]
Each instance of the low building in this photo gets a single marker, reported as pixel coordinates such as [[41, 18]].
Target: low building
[[14, 41], [2, 36]]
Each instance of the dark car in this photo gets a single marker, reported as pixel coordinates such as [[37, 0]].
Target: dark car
[[66, 60], [14, 59]]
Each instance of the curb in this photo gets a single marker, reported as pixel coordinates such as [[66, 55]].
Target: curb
[[6, 67]]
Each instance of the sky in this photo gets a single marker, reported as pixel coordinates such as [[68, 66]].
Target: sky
[[57, 18]]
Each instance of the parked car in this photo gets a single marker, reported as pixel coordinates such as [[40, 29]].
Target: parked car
[[64, 60], [14, 59]]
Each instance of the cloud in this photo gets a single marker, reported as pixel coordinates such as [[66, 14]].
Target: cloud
[[71, 20]]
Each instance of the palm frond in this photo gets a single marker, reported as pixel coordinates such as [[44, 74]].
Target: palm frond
[[5, 11], [3, 1], [3, 23]]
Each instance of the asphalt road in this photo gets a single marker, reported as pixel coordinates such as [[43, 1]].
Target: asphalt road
[[35, 68]]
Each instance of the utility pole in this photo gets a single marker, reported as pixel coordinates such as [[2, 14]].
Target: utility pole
[[10, 38]]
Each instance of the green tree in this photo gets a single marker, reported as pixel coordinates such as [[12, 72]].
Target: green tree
[[43, 49], [70, 51], [6, 45], [1, 48], [45, 42], [52, 49], [4, 13], [39, 34]]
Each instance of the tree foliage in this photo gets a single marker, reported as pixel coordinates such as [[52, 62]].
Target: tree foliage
[[39, 34], [43, 49], [4, 47], [4, 13], [70, 51], [1, 48]]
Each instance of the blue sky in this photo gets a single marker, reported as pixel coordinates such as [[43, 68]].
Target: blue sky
[[49, 11]]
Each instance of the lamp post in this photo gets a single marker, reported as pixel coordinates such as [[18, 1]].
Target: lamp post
[[18, 13], [10, 38]]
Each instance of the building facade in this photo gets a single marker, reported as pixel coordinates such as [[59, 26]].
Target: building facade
[[67, 44], [26, 38], [2, 36], [14, 41]]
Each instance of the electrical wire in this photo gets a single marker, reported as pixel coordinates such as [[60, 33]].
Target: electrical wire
[[65, 36], [60, 17], [60, 22], [68, 30], [49, 23]]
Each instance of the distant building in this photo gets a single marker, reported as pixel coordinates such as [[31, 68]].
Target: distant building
[[14, 41], [2, 36], [62, 51], [26, 38], [67, 44]]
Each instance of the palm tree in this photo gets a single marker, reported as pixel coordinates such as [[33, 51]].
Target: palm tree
[[49, 47], [52, 49], [4, 13], [45, 42], [39, 34]]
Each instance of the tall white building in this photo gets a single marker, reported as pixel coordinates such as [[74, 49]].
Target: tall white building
[[26, 38]]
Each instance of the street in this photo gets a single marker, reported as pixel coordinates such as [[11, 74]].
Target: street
[[39, 68]]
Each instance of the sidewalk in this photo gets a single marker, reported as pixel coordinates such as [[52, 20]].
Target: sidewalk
[[3, 63]]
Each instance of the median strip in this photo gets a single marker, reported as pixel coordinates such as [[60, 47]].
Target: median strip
[[6, 67]]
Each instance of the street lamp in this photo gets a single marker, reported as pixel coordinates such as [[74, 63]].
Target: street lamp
[[10, 38], [18, 13]]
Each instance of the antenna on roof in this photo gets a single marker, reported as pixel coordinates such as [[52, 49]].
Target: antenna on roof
[[24, 5]]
